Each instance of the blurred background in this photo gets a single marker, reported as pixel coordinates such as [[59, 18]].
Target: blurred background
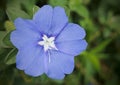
[[98, 65]]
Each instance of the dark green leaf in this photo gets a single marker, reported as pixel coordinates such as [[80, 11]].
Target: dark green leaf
[[11, 57], [2, 35], [7, 76], [6, 40]]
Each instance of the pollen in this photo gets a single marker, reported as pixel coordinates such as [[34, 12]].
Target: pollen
[[48, 43]]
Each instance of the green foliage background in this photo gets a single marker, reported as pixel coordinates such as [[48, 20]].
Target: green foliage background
[[98, 65]]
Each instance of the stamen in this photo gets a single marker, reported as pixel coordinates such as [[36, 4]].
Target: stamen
[[48, 43]]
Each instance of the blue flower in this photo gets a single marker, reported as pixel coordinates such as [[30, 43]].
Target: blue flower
[[47, 43]]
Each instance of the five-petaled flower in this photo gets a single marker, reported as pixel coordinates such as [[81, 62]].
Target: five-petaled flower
[[47, 43]]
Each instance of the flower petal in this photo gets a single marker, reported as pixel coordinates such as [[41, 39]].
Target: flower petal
[[36, 68], [71, 32], [43, 18], [60, 64], [20, 38], [24, 33], [59, 20], [72, 47], [23, 24], [26, 55]]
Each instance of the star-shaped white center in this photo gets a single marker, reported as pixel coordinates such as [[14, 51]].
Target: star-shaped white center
[[47, 43]]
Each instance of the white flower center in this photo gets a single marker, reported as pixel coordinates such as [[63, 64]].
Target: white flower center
[[47, 43]]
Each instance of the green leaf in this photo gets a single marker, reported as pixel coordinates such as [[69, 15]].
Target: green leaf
[[6, 40], [27, 6], [11, 57], [3, 53], [14, 13], [101, 46], [93, 59], [88, 71], [2, 35], [81, 10], [20, 8], [78, 7], [62, 3], [73, 3]]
